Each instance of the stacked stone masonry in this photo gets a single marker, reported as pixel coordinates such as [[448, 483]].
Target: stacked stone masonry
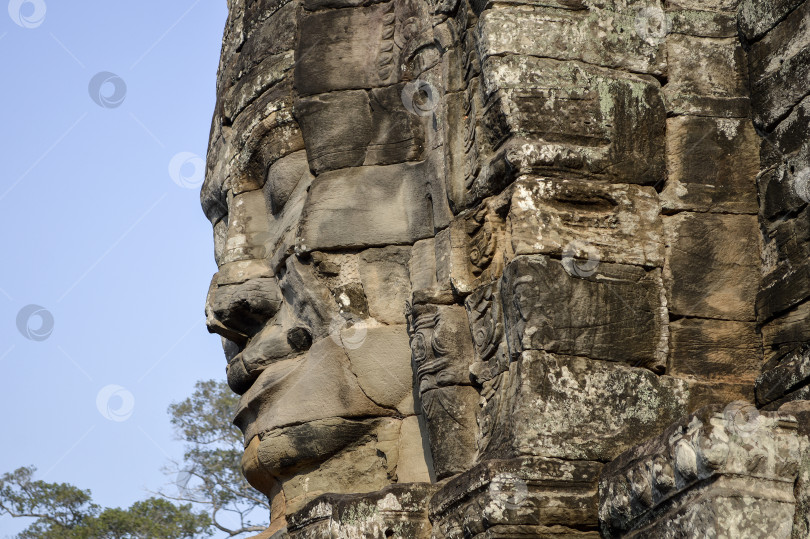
[[517, 268]]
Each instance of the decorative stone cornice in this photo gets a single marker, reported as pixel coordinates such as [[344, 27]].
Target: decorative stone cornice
[[649, 480], [530, 493], [399, 510]]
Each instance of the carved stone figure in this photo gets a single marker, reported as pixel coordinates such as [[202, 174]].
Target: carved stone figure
[[441, 348], [475, 256]]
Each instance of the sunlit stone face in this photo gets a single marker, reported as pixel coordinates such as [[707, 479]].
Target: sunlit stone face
[[435, 222], [318, 187]]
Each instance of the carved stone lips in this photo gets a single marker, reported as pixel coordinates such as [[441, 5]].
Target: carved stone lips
[[280, 339], [315, 385]]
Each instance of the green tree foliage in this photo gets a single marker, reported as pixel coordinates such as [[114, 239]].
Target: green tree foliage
[[63, 511], [209, 476], [210, 473]]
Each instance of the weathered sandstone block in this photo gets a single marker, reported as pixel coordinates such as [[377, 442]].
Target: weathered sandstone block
[[540, 497], [396, 511], [785, 379], [757, 17], [367, 207], [613, 312], [575, 117], [712, 268], [780, 68], [708, 77], [787, 332], [380, 131], [511, 29], [580, 409], [712, 164], [786, 272], [714, 349]]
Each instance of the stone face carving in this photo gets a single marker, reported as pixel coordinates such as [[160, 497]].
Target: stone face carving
[[317, 339], [470, 251]]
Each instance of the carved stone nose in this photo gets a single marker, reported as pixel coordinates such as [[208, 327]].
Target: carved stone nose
[[239, 311]]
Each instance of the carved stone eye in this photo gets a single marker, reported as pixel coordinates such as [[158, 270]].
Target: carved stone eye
[[418, 347]]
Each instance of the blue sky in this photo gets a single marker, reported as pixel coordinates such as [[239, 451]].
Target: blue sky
[[96, 231]]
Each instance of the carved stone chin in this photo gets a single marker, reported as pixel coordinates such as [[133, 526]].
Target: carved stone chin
[[475, 257]]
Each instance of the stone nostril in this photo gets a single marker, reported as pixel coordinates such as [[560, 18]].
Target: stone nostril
[[299, 339], [216, 326]]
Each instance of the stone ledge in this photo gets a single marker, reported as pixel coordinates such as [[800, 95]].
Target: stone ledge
[[690, 475], [398, 510], [507, 498]]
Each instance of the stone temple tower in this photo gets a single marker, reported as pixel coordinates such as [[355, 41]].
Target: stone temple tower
[[517, 268]]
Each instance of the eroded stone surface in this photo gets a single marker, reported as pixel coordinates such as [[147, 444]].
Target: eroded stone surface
[[574, 117], [396, 511], [712, 265], [441, 348], [780, 66], [627, 323], [709, 77], [781, 378], [714, 349], [366, 207], [525, 493], [590, 410], [712, 165], [726, 472]]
